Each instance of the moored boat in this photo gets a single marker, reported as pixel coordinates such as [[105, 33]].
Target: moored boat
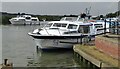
[[24, 19], [65, 33]]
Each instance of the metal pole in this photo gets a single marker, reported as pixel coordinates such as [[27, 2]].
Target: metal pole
[[47, 31], [110, 26], [114, 28], [39, 22], [81, 39], [117, 27], [59, 31], [105, 27]]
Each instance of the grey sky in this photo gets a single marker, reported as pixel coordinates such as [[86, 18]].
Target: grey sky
[[59, 7], [60, 0]]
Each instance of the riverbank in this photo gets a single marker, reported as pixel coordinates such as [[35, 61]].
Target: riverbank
[[4, 19], [96, 57]]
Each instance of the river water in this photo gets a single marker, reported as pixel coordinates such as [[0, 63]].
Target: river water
[[20, 49]]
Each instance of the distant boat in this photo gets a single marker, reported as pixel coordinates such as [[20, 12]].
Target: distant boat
[[24, 19]]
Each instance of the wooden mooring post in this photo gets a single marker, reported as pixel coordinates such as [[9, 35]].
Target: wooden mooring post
[[6, 65]]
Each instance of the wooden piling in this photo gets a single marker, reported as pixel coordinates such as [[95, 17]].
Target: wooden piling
[[6, 65]]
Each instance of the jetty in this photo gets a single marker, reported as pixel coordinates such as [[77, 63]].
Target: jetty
[[90, 54], [103, 53]]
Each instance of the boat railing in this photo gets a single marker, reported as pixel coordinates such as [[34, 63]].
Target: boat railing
[[114, 27], [85, 38], [59, 31], [46, 31]]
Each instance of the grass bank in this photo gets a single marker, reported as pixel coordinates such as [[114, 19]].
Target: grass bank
[[92, 51]]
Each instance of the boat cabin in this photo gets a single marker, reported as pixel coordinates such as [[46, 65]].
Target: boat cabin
[[70, 27], [69, 19]]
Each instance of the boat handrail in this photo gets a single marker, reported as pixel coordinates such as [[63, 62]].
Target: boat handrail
[[59, 31], [46, 31]]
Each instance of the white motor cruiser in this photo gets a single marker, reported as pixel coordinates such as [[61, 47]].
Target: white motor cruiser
[[24, 19], [65, 33]]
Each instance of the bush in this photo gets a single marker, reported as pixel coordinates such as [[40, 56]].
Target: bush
[[5, 19]]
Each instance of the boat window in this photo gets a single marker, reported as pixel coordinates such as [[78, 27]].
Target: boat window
[[27, 17], [84, 29], [72, 26], [34, 19], [49, 25], [59, 25], [14, 19], [70, 32], [68, 19], [98, 25], [21, 19]]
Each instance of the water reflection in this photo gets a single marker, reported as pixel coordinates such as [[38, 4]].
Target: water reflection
[[20, 49], [53, 58]]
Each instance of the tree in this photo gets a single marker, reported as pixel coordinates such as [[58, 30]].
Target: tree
[[83, 15], [101, 16]]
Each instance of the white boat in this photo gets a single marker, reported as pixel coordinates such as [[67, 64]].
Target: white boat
[[100, 24], [63, 34], [112, 19], [24, 19]]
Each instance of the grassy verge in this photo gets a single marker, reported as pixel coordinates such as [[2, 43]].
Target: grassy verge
[[91, 50], [111, 38]]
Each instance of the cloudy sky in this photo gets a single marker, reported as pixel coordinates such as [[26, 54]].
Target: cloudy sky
[[60, 0], [54, 7]]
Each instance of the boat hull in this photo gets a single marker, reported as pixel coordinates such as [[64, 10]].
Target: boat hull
[[55, 43], [24, 22], [50, 42]]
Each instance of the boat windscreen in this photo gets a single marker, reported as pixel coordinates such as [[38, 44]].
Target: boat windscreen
[[59, 25], [21, 19], [34, 19], [72, 26], [68, 19], [27, 17], [49, 25]]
